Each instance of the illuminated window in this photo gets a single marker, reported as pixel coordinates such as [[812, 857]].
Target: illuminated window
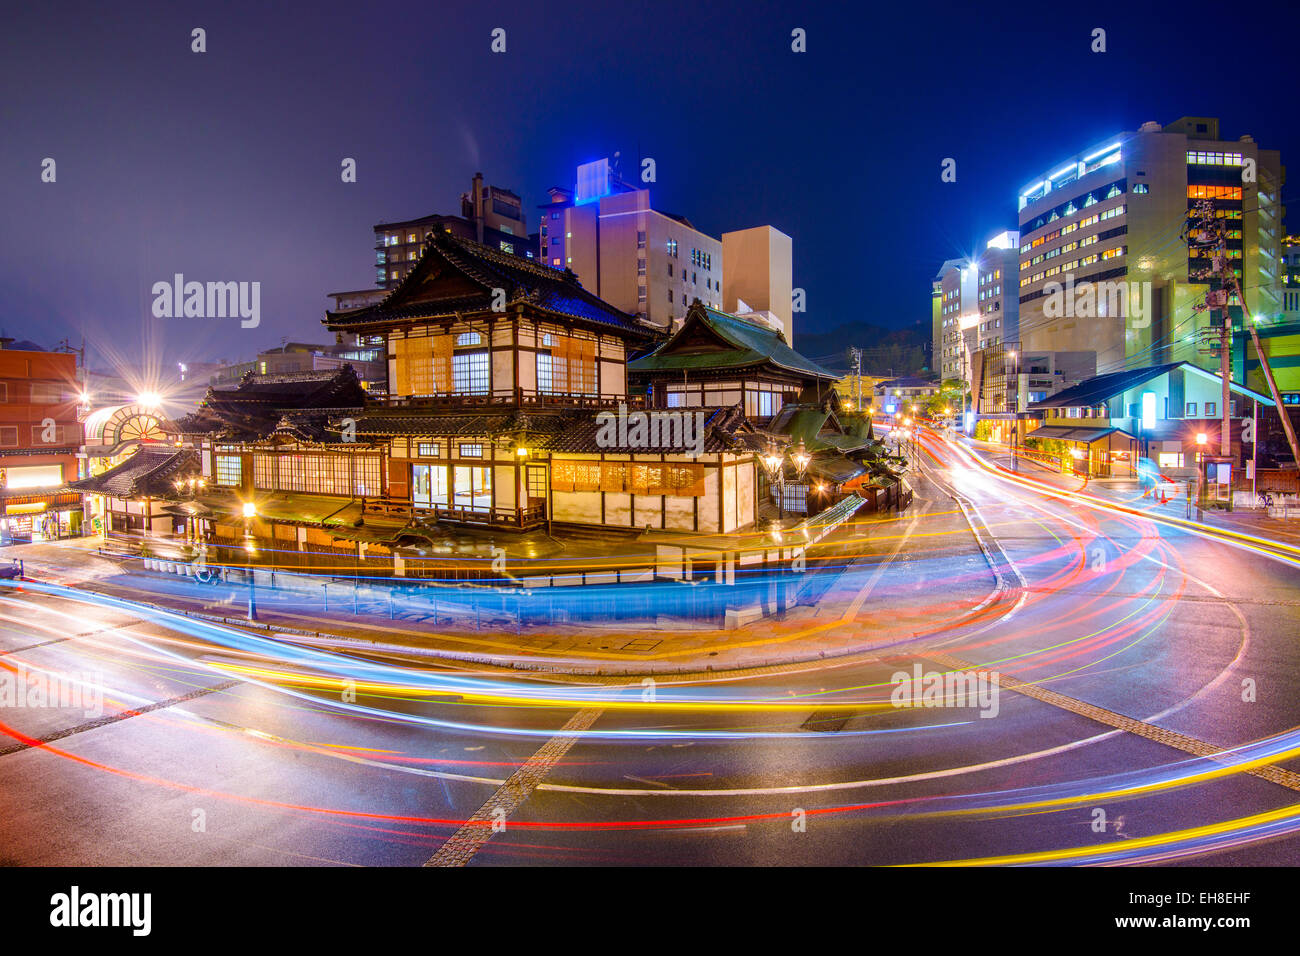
[[324, 474], [471, 450], [469, 338], [1213, 192], [429, 449], [469, 373], [230, 470]]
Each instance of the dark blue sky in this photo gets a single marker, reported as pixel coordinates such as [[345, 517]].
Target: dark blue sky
[[225, 165]]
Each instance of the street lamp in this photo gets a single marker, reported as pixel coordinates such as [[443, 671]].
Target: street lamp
[[250, 512], [800, 458], [1202, 492], [774, 463]]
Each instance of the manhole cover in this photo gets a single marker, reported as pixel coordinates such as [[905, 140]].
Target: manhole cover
[[828, 722]]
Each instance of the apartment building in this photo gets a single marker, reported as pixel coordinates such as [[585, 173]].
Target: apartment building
[[654, 264], [489, 215], [997, 301], [647, 263], [957, 286], [40, 434], [1103, 265]]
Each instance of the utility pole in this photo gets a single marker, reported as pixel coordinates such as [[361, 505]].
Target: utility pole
[[856, 354], [1211, 237], [1211, 231]]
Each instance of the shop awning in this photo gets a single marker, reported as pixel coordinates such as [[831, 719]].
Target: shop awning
[[1082, 435]]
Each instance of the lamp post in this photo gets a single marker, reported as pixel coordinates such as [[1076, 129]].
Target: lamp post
[[774, 461], [1201, 440], [250, 512]]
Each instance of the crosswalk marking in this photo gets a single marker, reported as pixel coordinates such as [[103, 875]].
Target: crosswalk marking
[[478, 829]]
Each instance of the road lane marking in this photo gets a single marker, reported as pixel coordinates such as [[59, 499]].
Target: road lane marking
[[70, 637], [478, 829], [108, 719], [1109, 718]]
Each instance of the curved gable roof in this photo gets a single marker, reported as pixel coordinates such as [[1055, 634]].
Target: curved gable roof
[[738, 343], [457, 275]]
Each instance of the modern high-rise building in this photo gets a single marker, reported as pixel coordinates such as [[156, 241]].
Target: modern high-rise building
[[1103, 265], [996, 297], [1279, 334], [957, 284], [488, 214], [649, 263]]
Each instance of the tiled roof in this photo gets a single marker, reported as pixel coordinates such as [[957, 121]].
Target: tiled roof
[[523, 280], [261, 404], [150, 472], [415, 421], [747, 344]]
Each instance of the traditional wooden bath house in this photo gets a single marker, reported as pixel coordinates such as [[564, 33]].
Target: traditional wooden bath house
[[508, 407]]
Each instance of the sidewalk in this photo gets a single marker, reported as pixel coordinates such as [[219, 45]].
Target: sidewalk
[[1128, 492], [467, 625]]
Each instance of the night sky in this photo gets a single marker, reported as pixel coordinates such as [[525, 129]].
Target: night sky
[[226, 165]]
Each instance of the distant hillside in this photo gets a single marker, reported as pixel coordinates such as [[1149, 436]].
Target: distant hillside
[[884, 351]]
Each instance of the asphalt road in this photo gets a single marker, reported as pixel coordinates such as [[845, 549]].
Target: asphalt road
[[1137, 705]]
